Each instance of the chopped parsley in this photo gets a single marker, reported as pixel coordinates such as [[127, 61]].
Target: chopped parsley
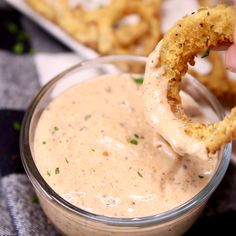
[[57, 171], [139, 174], [18, 48], [56, 128], [34, 199], [22, 36], [134, 141], [138, 80], [200, 176], [206, 53], [66, 160], [44, 142], [16, 125], [12, 27]]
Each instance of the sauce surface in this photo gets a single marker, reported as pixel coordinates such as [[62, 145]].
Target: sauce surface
[[95, 147]]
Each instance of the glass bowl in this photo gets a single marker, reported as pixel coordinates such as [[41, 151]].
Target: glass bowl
[[71, 220]]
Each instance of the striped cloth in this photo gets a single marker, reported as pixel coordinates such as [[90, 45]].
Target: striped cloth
[[21, 75]]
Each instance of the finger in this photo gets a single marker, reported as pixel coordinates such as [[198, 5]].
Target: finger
[[235, 24], [230, 58]]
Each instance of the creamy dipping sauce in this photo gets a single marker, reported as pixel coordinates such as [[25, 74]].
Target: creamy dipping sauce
[[95, 148]]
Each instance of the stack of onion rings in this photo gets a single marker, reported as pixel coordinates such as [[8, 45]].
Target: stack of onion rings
[[103, 29]]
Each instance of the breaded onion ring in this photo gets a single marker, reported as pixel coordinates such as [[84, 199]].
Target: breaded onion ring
[[167, 65]]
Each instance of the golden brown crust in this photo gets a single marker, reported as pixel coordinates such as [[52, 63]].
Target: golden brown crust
[[193, 34]]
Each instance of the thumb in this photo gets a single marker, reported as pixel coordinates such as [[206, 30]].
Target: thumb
[[230, 58]]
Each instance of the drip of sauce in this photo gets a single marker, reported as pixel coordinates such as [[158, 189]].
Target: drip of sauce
[[159, 114], [102, 155]]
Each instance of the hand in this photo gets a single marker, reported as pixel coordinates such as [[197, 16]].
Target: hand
[[230, 58]]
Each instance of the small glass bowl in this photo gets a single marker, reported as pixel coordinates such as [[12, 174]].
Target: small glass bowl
[[71, 220]]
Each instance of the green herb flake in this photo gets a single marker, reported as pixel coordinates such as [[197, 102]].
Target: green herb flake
[[22, 37], [44, 142], [48, 173], [56, 128], [138, 80], [66, 160], [11, 27], [206, 53], [34, 199], [16, 125], [57, 171], [136, 135], [139, 174], [18, 48], [134, 141], [200, 177]]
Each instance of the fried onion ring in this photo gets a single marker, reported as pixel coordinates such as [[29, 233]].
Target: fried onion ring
[[121, 38], [204, 29]]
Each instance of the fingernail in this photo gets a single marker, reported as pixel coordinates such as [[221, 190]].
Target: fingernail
[[230, 58]]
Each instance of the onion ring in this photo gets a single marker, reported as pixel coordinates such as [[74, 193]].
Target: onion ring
[[125, 38], [195, 33]]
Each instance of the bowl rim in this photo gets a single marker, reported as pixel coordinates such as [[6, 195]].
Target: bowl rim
[[41, 185]]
